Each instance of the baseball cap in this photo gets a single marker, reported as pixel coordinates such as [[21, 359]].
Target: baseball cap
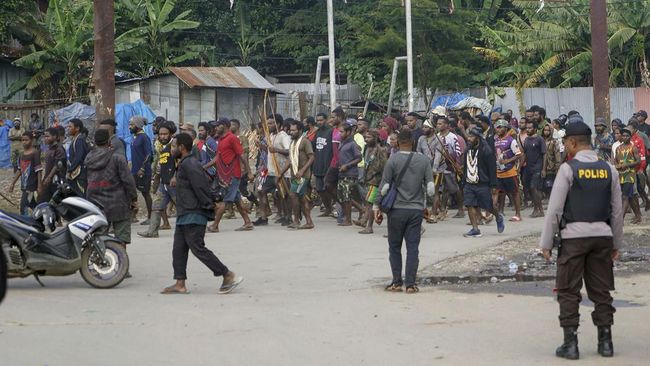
[[502, 123]]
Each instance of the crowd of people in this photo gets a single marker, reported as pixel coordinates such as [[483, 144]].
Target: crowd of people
[[339, 164]]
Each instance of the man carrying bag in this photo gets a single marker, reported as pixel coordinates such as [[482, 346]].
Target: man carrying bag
[[403, 199]]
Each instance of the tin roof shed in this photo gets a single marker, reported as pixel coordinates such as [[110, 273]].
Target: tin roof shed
[[240, 77]]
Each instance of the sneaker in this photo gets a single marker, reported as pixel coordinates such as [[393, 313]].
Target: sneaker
[[500, 224], [261, 222], [474, 233]]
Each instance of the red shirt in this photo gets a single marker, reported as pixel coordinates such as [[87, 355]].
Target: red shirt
[[229, 150], [638, 142]]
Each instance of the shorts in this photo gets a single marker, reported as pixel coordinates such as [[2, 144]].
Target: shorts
[[164, 196], [373, 192], [331, 178], [319, 183], [143, 184], [268, 186], [299, 186], [475, 195], [533, 179], [508, 185], [447, 183], [232, 194], [627, 189], [345, 187]]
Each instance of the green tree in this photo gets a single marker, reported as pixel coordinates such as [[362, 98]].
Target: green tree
[[150, 47], [58, 57]]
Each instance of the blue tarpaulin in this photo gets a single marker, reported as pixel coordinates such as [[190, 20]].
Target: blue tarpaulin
[[123, 113], [5, 145], [448, 101]]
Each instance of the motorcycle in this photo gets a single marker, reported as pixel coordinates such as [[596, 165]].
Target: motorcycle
[[32, 244]]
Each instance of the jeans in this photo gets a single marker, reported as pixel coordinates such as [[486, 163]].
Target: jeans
[[190, 237], [404, 225]]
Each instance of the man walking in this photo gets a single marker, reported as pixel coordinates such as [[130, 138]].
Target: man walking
[[430, 146], [76, 155], [586, 202], [301, 157], [603, 140], [15, 137], [194, 208], [55, 165], [29, 172], [451, 144], [229, 162], [166, 192], [479, 177], [323, 157], [375, 157], [507, 154], [534, 151], [405, 217], [141, 156], [111, 184], [627, 158], [348, 159]]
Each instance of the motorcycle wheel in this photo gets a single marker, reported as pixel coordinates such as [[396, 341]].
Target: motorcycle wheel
[[108, 274]]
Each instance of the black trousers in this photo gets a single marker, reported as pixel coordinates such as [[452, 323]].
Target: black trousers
[[190, 237], [589, 259], [404, 225]]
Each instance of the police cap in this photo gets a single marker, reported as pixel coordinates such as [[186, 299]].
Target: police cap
[[577, 128]]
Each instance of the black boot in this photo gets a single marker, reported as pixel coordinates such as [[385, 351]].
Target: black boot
[[569, 349], [605, 345]]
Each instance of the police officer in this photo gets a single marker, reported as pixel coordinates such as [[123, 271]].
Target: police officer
[[586, 203]]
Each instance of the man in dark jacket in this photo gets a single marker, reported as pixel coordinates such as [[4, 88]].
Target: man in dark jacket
[[76, 155], [194, 208], [111, 184], [479, 178]]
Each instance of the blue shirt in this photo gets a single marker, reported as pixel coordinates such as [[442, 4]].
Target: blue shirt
[[140, 150]]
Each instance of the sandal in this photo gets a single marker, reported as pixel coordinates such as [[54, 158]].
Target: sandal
[[393, 287], [306, 227], [366, 231], [515, 219], [213, 230], [293, 226], [412, 289], [248, 227], [172, 290]]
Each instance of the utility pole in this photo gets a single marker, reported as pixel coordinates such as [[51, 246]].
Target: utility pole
[[600, 58], [104, 67], [409, 55], [332, 59]]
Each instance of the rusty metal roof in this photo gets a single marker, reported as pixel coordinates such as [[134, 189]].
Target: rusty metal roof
[[241, 77]]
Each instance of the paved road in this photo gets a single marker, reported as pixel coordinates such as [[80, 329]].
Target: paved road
[[309, 298]]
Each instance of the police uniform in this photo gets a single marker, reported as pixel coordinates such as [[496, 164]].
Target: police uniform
[[586, 195]]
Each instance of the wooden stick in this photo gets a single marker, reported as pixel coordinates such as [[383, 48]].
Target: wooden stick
[[280, 183]]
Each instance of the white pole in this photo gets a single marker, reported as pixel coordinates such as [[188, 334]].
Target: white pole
[[330, 41], [409, 55], [316, 100], [393, 80]]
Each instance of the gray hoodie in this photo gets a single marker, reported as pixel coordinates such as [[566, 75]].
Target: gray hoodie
[[110, 183]]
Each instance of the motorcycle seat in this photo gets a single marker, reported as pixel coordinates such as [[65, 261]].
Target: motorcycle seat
[[27, 220]]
